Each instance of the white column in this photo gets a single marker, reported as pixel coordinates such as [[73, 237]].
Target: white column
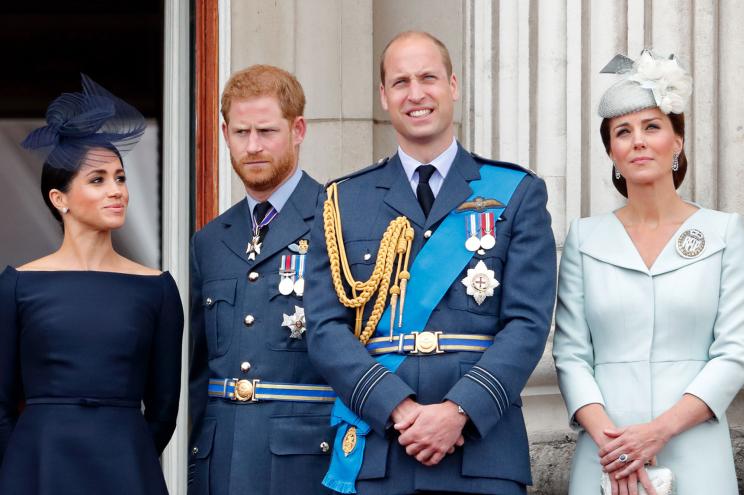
[[608, 26], [478, 58], [731, 105], [224, 70], [550, 111], [176, 158], [702, 129], [575, 110], [508, 77]]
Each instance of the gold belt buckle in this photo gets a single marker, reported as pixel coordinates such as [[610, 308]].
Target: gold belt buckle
[[245, 390], [426, 343]]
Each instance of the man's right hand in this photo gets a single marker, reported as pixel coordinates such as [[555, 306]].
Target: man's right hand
[[405, 414]]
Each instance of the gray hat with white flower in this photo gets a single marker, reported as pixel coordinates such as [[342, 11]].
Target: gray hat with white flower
[[651, 81]]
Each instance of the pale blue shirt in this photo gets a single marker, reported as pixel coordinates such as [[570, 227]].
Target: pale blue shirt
[[279, 197], [442, 163]]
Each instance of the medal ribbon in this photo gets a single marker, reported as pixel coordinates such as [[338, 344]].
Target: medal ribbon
[[430, 281], [270, 215], [300, 266]]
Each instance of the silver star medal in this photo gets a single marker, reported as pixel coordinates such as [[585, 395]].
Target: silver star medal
[[480, 282], [295, 323]]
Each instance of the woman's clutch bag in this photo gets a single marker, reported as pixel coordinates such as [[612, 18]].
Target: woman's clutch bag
[[661, 478]]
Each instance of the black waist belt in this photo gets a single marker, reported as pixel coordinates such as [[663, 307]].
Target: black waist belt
[[83, 401]]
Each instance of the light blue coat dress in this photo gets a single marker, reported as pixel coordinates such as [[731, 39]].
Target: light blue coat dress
[[636, 339]]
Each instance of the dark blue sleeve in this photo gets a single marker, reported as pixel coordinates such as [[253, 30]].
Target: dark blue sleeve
[[363, 384], [528, 295], [198, 362], [164, 381], [10, 376]]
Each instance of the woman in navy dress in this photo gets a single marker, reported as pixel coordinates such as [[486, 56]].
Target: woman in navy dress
[[89, 340]]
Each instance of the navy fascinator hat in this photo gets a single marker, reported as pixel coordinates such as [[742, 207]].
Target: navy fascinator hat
[[80, 122]]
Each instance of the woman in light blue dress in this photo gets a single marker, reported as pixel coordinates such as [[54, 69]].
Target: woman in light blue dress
[[649, 341]]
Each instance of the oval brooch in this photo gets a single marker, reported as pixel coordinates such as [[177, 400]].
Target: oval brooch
[[690, 243]]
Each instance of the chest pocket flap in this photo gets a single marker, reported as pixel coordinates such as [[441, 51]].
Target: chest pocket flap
[[219, 312]]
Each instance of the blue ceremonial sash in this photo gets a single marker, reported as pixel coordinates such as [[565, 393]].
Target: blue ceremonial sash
[[430, 281]]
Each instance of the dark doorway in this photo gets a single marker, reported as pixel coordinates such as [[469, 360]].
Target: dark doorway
[[44, 46]]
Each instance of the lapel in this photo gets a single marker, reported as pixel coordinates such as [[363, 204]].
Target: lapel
[[610, 243], [237, 229], [289, 225], [400, 196], [293, 221], [670, 260], [454, 190]]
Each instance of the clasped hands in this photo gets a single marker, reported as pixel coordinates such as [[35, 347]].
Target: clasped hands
[[428, 432], [640, 443]]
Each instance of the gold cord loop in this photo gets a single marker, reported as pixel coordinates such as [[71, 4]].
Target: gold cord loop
[[395, 245]]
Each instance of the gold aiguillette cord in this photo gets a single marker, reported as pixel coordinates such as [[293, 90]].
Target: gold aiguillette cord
[[395, 245]]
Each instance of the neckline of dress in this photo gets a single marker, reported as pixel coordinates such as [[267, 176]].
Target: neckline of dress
[[105, 272]]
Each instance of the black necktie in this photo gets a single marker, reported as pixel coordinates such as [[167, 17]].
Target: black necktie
[[259, 213], [260, 210], [423, 190]]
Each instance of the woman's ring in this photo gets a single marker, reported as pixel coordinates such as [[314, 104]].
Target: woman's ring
[[623, 458]]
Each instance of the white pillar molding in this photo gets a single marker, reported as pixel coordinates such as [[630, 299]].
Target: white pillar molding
[[575, 112], [176, 190], [702, 134], [731, 106], [224, 70], [478, 77], [509, 82]]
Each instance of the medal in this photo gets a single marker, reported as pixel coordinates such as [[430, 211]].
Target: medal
[[286, 275], [295, 323], [299, 285], [487, 240], [480, 282], [349, 441], [472, 243], [254, 247], [690, 243]]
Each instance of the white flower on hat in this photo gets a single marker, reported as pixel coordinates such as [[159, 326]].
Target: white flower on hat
[[669, 83]]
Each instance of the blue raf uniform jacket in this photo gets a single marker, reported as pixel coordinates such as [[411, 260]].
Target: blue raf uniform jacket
[[495, 457], [244, 448]]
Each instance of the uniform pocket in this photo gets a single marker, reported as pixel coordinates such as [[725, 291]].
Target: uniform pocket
[[300, 453], [200, 455], [362, 256], [457, 296], [219, 313]]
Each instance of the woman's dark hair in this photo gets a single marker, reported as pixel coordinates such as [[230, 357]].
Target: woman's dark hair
[[55, 178], [678, 124]]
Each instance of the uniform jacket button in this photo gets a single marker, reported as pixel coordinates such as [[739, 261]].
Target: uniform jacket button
[[209, 301], [427, 234], [324, 447], [245, 366], [248, 320], [195, 450], [253, 276]]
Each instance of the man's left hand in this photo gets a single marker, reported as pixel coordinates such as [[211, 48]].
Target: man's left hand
[[434, 432]]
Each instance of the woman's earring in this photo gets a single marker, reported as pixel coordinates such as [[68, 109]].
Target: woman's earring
[[65, 210], [675, 162], [617, 172]]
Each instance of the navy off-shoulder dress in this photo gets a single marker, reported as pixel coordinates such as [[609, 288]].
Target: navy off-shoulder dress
[[86, 351]]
